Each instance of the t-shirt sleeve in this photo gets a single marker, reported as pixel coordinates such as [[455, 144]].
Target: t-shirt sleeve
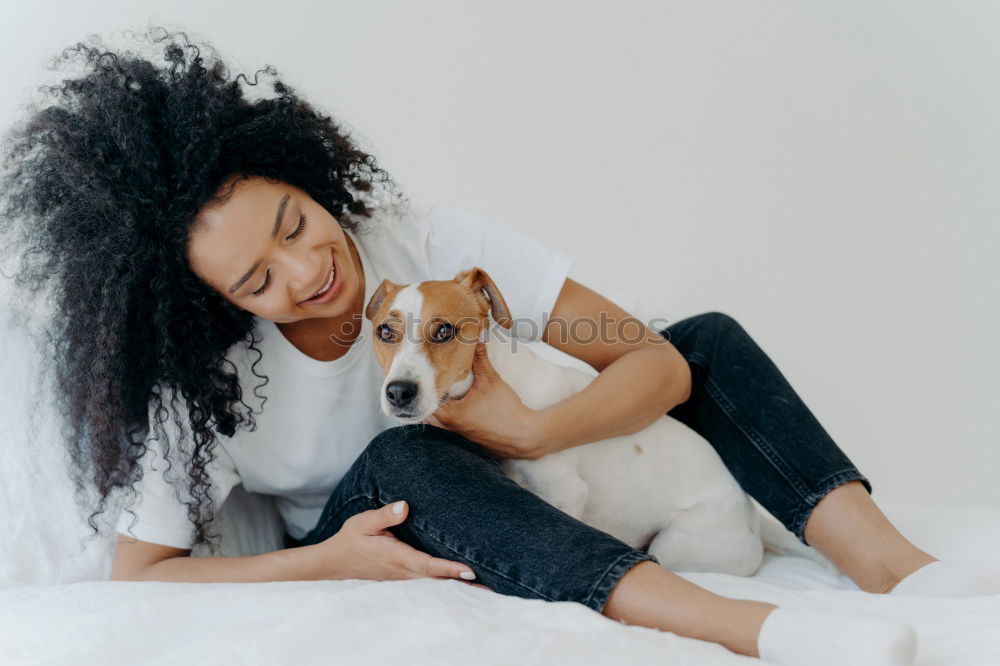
[[160, 514], [528, 274]]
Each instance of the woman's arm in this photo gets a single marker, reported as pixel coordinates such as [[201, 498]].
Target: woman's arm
[[136, 560], [641, 374], [641, 377], [362, 548]]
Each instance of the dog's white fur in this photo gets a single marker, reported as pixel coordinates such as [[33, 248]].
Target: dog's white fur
[[410, 362], [663, 488]]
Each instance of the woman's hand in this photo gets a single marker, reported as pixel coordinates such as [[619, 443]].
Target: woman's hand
[[492, 415], [364, 548]]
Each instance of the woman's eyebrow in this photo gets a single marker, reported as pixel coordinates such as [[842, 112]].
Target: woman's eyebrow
[[274, 232]]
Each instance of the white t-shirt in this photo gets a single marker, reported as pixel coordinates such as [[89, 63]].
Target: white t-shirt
[[320, 415]]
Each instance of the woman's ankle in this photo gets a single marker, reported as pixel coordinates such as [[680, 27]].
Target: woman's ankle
[[739, 624], [906, 571], [649, 595]]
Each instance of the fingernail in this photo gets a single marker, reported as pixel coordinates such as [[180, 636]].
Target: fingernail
[[467, 575], [397, 507]]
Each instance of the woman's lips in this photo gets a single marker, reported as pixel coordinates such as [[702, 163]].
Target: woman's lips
[[334, 289]]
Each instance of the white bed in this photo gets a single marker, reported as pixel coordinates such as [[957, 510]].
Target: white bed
[[56, 606], [434, 622]]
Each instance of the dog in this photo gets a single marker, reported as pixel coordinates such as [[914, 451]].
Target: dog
[[663, 489]]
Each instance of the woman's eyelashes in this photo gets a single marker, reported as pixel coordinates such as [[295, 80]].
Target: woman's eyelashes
[[267, 274], [267, 282], [298, 229]]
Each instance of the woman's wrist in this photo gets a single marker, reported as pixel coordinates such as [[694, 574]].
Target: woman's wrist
[[541, 436], [303, 563]]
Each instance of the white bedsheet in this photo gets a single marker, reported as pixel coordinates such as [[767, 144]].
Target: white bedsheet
[[448, 622], [56, 606]]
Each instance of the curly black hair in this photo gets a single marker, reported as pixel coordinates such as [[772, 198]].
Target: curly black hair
[[100, 190]]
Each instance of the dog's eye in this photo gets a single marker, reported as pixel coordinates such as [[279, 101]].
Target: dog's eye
[[385, 334], [443, 333]]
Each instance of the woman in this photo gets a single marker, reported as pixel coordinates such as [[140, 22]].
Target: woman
[[196, 242]]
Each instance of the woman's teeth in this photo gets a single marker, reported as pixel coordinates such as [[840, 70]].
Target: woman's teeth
[[328, 284]]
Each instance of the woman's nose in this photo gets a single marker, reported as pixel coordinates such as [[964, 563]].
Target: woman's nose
[[303, 273]]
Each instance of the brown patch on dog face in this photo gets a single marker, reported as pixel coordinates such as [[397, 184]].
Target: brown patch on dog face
[[451, 319], [638, 449], [453, 312], [377, 311]]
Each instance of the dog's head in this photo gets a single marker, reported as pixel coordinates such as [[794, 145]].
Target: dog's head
[[425, 336]]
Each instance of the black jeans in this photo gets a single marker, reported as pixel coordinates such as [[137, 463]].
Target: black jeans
[[463, 508]]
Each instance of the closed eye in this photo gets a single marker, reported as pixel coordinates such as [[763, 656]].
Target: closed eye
[[298, 229], [267, 282], [267, 275]]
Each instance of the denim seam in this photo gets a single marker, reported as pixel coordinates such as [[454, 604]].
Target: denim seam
[[322, 528], [828, 484], [478, 565], [759, 442], [698, 358], [601, 581], [816, 496]]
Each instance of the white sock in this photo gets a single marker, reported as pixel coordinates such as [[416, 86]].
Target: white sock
[[943, 579], [798, 636]]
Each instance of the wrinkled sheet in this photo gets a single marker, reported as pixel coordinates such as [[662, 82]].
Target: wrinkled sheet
[[433, 622]]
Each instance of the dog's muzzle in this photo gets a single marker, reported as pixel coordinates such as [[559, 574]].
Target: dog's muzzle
[[401, 393]]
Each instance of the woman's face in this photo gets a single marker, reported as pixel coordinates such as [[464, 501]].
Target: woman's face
[[269, 248]]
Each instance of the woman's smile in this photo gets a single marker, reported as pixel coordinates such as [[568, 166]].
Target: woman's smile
[[331, 287]]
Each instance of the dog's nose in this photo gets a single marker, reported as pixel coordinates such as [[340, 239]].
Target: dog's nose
[[400, 393]]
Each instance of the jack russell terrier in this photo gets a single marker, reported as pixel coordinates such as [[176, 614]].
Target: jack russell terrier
[[663, 489]]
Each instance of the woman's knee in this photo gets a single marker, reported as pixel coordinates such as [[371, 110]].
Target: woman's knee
[[422, 446], [714, 327], [720, 321], [394, 446], [697, 332], [390, 438]]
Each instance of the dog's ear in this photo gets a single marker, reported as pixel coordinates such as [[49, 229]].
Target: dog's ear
[[387, 287], [478, 281]]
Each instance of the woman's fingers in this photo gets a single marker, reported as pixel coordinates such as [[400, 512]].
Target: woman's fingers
[[468, 582], [389, 515], [419, 563], [424, 565], [374, 521]]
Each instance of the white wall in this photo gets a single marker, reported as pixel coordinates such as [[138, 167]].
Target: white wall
[[825, 172]]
